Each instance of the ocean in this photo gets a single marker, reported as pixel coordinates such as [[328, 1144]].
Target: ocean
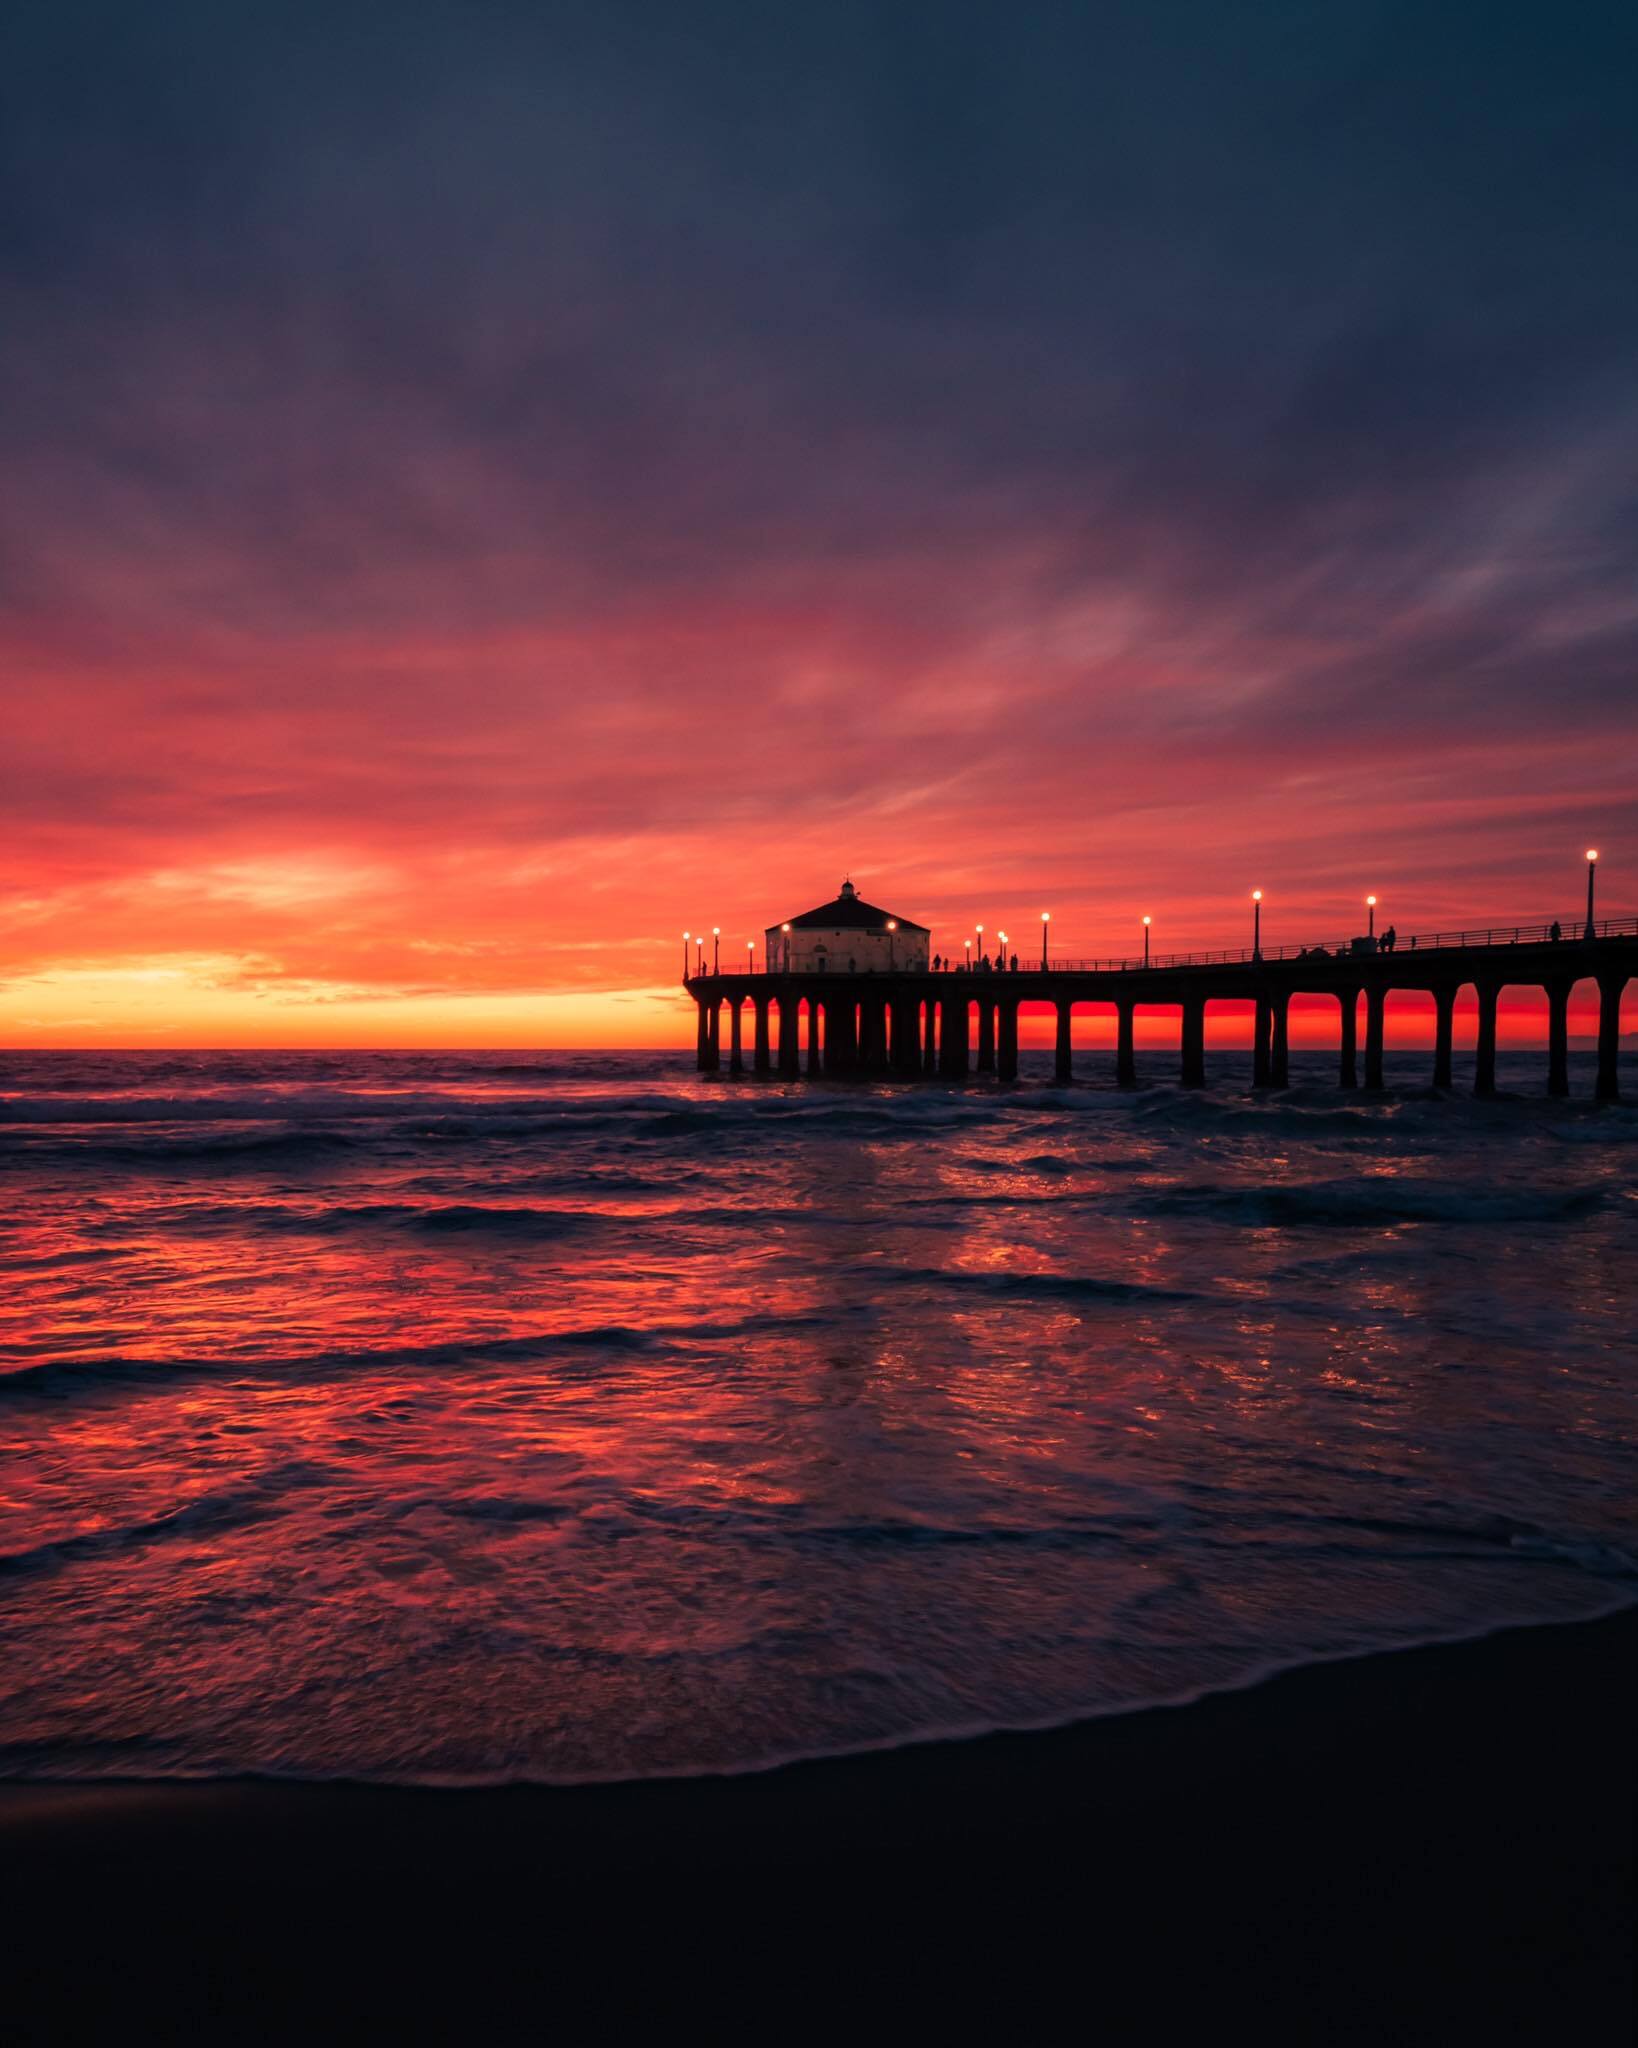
[[464, 1418]]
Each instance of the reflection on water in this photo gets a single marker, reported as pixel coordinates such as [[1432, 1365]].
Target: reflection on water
[[464, 1416]]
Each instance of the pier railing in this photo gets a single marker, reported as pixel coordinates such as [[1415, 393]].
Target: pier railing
[[1572, 933]]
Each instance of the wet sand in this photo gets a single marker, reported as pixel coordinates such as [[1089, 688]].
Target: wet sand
[[1435, 1844]]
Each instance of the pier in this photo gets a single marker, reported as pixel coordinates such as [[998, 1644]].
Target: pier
[[892, 1023]]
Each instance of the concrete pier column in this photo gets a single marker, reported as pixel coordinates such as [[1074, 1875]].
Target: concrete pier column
[[1194, 1041], [1376, 1003], [1279, 1055], [1444, 1033], [841, 1035], [1063, 1066], [1609, 1036], [1347, 1068], [761, 1059], [736, 1061], [814, 1057], [713, 1036], [1007, 1050], [1125, 1050], [1484, 1053], [1261, 1031], [1558, 1037], [702, 1043], [986, 1035], [873, 1022], [929, 1058], [906, 1048], [952, 1037], [790, 1051]]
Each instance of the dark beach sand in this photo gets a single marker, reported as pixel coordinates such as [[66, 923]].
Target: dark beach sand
[[1431, 1845]]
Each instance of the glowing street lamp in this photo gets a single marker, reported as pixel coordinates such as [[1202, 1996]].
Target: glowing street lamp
[[892, 927], [716, 949], [980, 930], [685, 956], [750, 956], [785, 951], [1370, 912], [1046, 919], [967, 948], [1256, 924], [1146, 924], [1592, 870], [700, 957], [1003, 939]]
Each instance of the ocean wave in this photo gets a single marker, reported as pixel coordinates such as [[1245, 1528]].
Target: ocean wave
[[207, 1515], [437, 1219], [1049, 1163], [1024, 1286], [264, 1148], [903, 1533], [1372, 1201], [261, 1218], [58, 1378]]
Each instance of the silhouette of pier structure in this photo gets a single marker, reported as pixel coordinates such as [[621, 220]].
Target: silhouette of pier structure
[[887, 1023]]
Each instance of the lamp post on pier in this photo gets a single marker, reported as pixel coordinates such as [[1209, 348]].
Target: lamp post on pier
[[785, 957], [1370, 913], [750, 956], [716, 949], [700, 956], [1256, 924], [1146, 924], [1046, 919], [967, 948], [1592, 870], [980, 931], [685, 956], [1003, 960], [892, 927]]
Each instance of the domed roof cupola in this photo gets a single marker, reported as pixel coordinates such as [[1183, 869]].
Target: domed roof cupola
[[848, 911]]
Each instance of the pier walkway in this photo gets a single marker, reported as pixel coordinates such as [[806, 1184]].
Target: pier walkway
[[965, 1020]]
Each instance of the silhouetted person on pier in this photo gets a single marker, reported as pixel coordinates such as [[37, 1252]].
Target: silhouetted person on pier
[[938, 962], [1390, 939], [1015, 963], [984, 964], [1556, 931]]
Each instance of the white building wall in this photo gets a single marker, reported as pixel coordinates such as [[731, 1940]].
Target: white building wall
[[812, 950]]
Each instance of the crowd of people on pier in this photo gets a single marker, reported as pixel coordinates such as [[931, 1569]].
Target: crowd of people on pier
[[982, 965]]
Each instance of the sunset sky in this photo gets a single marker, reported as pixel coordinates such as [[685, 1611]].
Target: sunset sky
[[484, 488]]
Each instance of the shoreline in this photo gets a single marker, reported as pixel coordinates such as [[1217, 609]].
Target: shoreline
[[960, 1739], [1444, 1830]]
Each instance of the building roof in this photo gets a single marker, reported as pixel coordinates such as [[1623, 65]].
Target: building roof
[[849, 912]]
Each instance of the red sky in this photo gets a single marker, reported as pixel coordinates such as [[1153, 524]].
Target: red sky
[[474, 505], [499, 839]]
